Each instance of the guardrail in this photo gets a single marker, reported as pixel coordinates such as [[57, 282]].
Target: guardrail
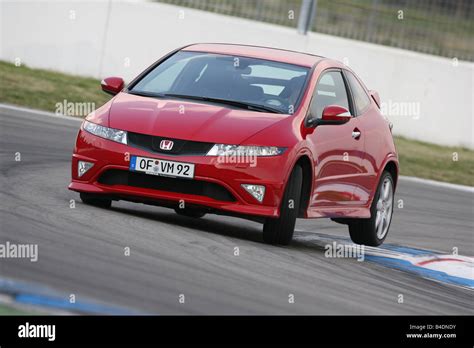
[[439, 27]]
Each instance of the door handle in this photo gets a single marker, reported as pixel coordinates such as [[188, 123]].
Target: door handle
[[356, 133]]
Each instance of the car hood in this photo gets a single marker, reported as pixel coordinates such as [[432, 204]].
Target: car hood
[[188, 120]]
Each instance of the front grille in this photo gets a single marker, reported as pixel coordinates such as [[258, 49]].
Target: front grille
[[178, 185], [180, 147]]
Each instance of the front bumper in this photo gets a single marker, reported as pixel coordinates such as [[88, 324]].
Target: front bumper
[[108, 155]]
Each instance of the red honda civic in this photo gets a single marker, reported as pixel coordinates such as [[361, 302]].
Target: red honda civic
[[261, 133]]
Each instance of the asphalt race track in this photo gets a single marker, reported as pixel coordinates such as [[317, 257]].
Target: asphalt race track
[[81, 250]]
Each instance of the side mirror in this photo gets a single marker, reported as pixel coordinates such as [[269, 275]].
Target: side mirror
[[112, 85], [336, 113], [375, 96], [332, 114]]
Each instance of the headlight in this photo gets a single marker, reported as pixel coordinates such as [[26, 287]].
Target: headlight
[[236, 150], [119, 136]]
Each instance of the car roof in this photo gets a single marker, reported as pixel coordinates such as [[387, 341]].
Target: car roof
[[268, 53]]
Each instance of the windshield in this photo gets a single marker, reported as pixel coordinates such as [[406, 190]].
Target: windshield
[[258, 82]]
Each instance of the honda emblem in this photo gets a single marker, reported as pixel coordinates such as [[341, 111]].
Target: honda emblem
[[166, 145]]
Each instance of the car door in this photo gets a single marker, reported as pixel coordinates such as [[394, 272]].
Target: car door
[[366, 113], [337, 148]]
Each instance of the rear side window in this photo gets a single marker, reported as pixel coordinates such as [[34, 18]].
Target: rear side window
[[330, 90], [361, 99]]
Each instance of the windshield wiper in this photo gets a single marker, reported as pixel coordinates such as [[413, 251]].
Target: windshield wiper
[[239, 104], [146, 94]]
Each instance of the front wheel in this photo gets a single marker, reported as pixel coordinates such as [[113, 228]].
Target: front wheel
[[280, 230], [373, 231]]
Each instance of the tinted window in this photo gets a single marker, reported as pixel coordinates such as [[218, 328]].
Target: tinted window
[[257, 81], [361, 99], [330, 90]]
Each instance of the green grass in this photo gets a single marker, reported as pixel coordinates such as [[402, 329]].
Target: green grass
[[435, 162], [42, 89], [9, 310]]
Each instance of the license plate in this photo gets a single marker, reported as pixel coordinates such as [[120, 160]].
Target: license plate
[[155, 166]]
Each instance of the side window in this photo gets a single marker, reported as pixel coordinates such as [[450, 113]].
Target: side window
[[330, 90], [361, 99]]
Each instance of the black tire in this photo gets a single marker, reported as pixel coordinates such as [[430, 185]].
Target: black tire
[[89, 199], [190, 212], [280, 230], [364, 231]]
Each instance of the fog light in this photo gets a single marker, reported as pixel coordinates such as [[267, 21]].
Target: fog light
[[83, 167], [257, 191]]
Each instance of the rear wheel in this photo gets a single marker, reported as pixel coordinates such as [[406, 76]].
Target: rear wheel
[[190, 212], [373, 231], [89, 199], [280, 230]]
